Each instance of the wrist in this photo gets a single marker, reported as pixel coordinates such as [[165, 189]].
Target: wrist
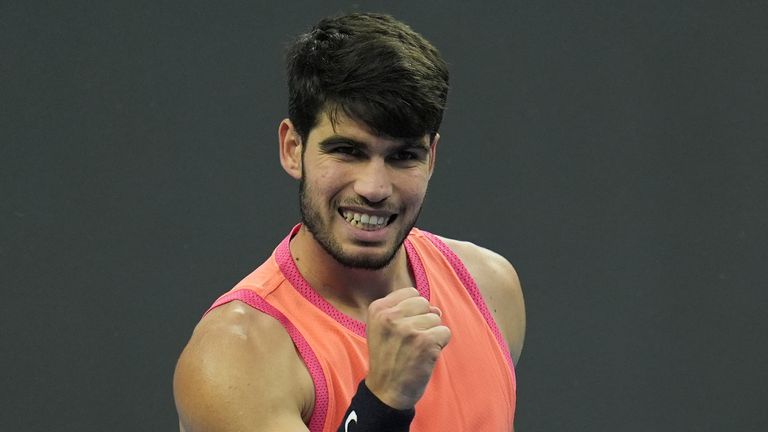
[[368, 413], [393, 400]]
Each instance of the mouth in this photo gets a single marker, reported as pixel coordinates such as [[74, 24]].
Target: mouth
[[367, 221]]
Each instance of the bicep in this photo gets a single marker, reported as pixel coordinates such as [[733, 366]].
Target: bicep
[[513, 302], [500, 286], [232, 380]]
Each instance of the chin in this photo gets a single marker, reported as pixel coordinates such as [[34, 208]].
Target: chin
[[353, 253], [363, 262]]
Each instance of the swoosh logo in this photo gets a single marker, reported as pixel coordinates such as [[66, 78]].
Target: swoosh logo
[[352, 417]]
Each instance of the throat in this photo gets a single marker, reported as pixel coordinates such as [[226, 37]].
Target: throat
[[350, 290], [354, 292]]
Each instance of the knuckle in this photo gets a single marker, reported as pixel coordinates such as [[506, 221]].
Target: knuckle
[[405, 293], [446, 335], [388, 317], [374, 307], [411, 338], [436, 320], [416, 341], [414, 305], [446, 331]]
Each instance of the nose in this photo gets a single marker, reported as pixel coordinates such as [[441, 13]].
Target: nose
[[373, 182]]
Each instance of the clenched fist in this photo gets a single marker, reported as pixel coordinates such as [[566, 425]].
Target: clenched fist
[[405, 338]]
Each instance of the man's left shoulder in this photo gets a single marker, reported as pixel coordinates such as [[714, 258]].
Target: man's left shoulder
[[483, 263], [500, 287]]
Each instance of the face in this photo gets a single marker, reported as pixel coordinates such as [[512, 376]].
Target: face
[[360, 193]]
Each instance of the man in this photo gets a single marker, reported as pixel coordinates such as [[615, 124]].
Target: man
[[359, 321]]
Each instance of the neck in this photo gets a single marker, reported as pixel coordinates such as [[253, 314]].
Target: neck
[[351, 290]]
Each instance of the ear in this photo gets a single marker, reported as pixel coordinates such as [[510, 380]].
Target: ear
[[433, 154], [290, 149]]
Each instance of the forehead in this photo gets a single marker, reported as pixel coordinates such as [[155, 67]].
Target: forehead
[[342, 125]]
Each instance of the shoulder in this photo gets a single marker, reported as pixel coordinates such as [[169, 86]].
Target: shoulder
[[240, 368], [500, 287]]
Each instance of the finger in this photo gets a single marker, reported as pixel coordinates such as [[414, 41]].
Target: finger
[[413, 306], [422, 322], [441, 335], [435, 310], [395, 297]]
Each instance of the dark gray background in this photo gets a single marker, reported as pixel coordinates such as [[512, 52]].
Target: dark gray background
[[613, 151]]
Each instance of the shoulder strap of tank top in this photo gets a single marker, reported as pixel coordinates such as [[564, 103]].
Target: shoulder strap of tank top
[[474, 292]]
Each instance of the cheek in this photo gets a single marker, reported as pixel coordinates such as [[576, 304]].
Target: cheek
[[414, 186], [325, 179]]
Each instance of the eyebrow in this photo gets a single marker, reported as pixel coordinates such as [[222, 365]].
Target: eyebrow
[[339, 139], [405, 143]]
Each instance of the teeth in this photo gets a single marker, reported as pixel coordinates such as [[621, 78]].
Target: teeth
[[365, 221]]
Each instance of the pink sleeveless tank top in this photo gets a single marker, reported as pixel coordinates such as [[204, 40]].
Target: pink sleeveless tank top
[[473, 384]]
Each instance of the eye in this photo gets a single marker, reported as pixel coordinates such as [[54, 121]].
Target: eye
[[406, 155], [347, 150]]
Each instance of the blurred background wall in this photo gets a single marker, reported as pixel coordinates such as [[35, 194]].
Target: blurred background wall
[[614, 152]]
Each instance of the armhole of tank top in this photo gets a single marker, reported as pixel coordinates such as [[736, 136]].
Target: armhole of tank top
[[474, 292], [320, 411]]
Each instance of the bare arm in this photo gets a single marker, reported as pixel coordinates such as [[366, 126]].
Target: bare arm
[[500, 287], [240, 372]]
